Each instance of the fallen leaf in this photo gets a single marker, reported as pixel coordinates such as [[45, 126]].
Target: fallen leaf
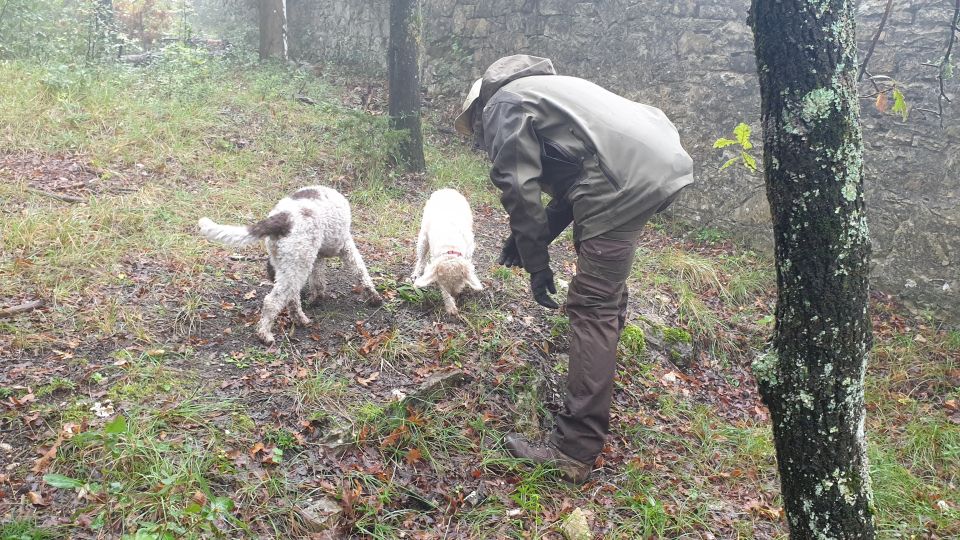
[[366, 381], [19, 402], [413, 456], [36, 499], [255, 449], [199, 498], [40, 466], [394, 436], [250, 295]]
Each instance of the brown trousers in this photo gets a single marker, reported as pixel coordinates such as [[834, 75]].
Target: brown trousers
[[596, 306]]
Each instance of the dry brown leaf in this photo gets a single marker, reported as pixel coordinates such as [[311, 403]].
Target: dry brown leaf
[[366, 381], [36, 499], [199, 498], [19, 402], [257, 448], [394, 437], [43, 463], [413, 456], [882, 103], [373, 342], [250, 295]]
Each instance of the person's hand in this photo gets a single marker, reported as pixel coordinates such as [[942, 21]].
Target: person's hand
[[540, 283], [509, 255]]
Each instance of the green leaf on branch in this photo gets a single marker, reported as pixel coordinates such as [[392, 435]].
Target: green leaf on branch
[[730, 162], [749, 161], [723, 142], [742, 132], [900, 104]]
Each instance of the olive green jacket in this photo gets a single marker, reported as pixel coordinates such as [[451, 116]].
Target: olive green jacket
[[610, 160]]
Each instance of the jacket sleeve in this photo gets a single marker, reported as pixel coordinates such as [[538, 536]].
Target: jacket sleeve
[[514, 149], [559, 215]]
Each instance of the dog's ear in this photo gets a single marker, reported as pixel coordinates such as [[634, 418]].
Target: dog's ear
[[473, 281], [429, 276]]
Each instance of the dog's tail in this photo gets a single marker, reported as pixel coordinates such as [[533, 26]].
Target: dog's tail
[[275, 226]]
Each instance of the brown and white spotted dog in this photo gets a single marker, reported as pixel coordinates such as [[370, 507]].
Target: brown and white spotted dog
[[310, 225]]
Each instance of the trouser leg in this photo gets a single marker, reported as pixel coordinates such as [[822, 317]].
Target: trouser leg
[[596, 306]]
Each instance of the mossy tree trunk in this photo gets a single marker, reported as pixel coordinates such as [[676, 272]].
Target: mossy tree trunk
[[812, 381], [273, 29], [404, 67]]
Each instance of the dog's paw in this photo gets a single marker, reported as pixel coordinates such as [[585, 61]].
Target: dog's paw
[[453, 313], [266, 338], [304, 320], [374, 300]]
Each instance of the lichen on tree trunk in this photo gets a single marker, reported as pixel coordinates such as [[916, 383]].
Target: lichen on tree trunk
[[404, 67], [812, 380]]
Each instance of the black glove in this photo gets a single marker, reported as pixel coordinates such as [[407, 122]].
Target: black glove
[[540, 283], [509, 255]]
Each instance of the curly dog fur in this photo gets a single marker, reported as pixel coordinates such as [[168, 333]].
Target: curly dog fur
[[446, 234], [311, 224]]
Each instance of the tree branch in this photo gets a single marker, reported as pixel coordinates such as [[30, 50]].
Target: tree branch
[[58, 196], [873, 42], [21, 308]]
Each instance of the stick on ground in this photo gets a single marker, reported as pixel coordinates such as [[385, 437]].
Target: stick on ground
[[21, 308]]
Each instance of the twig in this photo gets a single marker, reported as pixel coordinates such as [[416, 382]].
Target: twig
[[931, 111], [21, 308], [873, 42], [946, 59], [65, 198]]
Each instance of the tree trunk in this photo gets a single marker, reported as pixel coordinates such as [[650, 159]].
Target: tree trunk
[[812, 380], [273, 29], [404, 66], [102, 32]]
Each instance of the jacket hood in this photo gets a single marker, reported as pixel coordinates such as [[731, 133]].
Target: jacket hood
[[511, 68]]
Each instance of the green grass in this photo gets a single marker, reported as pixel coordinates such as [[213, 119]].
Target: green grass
[[152, 476], [223, 140]]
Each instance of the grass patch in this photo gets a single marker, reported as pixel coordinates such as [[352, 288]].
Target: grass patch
[[139, 477]]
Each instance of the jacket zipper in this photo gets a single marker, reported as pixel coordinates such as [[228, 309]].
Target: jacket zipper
[[609, 175], [611, 178]]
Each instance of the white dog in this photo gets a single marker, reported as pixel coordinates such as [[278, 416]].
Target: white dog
[[311, 224], [446, 232]]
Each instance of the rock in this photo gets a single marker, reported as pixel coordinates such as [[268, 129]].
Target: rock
[[321, 515], [438, 384], [576, 526], [476, 496], [337, 440], [676, 344]]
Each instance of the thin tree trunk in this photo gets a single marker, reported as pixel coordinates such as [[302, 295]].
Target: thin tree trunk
[[812, 381], [3, 12], [273, 29], [404, 67]]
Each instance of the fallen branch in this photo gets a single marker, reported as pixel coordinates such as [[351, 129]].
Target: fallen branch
[[58, 196], [21, 308]]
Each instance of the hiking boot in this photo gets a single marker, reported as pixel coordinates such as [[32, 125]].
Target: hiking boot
[[547, 454]]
